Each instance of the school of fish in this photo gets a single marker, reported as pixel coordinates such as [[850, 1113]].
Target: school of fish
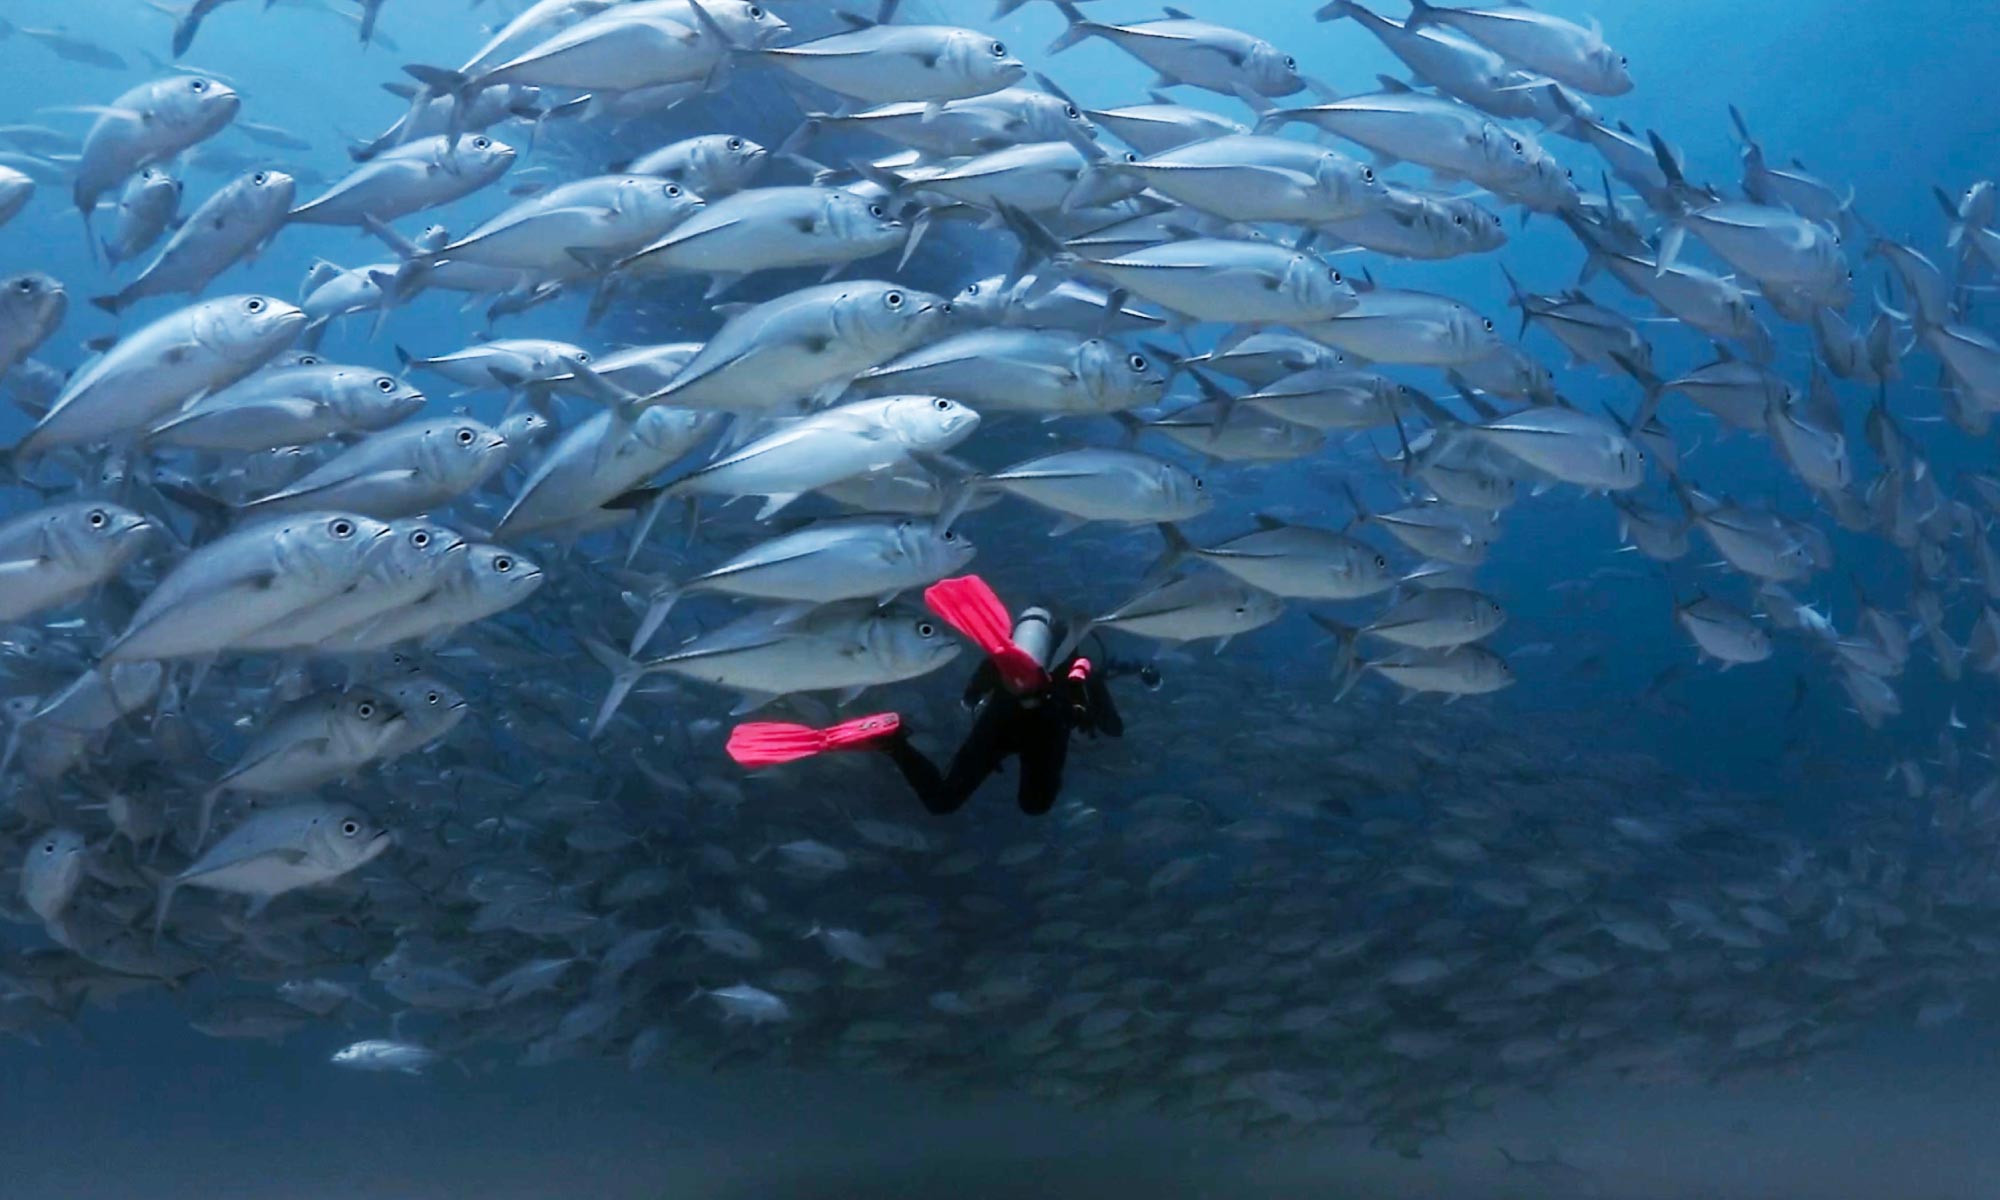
[[382, 700]]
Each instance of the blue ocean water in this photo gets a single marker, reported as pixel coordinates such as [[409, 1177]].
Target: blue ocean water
[[130, 1102]]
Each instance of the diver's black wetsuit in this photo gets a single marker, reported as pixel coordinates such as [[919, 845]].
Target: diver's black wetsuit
[[1037, 727]]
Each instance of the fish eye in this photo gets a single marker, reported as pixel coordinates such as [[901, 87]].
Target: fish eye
[[1198, 484], [385, 384], [999, 50], [197, 85], [876, 210], [1069, 110], [503, 564], [1624, 61], [926, 629], [260, 178], [434, 698], [735, 143], [341, 528], [756, 14], [941, 404], [1333, 273], [420, 538], [583, 356], [1130, 157], [481, 143], [309, 360], [1381, 563], [1368, 174], [1137, 362], [349, 828], [97, 518], [254, 305], [25, 286], [894, 300], [673, 189], [1150, 676], [1291, 64], [365, 709], [951, 535], [972, 289], [465, 436], [48, 847], [1569, 173], [1487, 322], [1458, 218]]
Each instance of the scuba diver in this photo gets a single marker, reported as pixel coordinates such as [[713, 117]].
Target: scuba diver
[[1028, 696]]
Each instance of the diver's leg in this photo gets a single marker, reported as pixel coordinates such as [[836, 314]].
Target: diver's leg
[[986, 744], [921, 774], [1044, 748]]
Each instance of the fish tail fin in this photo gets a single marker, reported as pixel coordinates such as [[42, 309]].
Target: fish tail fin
[[162, 904], [185, 28], [442, 81], [1041, 251], [111, 304], [1743, 133], [205, 817], [624, 404], [1655, 389], [1347, 661], [1178, 548], [625, 675], [1335, 11], [12, 748], [1362, 515], [1080, 27], [1517, 297], [658, 604], [1422, 13]]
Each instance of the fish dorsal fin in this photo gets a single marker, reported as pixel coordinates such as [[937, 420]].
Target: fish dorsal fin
[[1393, 85], [1267, 522]]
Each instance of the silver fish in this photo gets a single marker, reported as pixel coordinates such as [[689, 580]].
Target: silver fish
[[832, 445], [149, 124], [414, 176], [236, 221], [246, 581], [279, 850], [882, 64], [1023, 370], [55, 555], [410, 469], [186, 354], [291, 406], [775, 354], [148, 205]]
